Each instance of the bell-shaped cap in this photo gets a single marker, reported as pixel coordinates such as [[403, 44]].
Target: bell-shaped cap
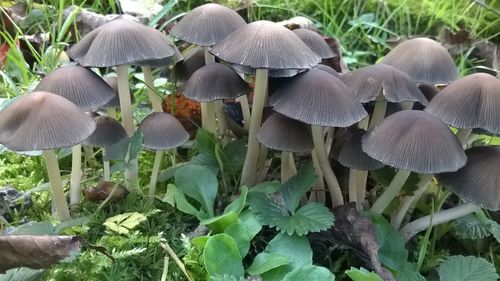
[[327, 69], [108, 132], [43, 121], [162, 131], [265, 45], [115, 100], [479, 180], [318, 98], [369, 82], [79, 85], [120, 42], [276, 73], [315, 42], [194, 59], [352, 156], [282, 133], [470, 102], [215, 81], [424, 60], [207, 25], [415, 141]]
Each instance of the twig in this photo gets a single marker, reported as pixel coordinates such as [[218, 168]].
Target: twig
[[176, 259], [165, 269]]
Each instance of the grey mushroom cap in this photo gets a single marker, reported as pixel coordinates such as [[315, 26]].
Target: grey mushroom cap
[[478, 181], [193, 60], [115, 100], [318, 98], [328, 69], [121, 42], [369, 82], [108, 132], [79, 85], [315, 42], [43, 121], [470, 102], [215, 81], [265, 45], [282, 133], [276, 73], [415, 141], [424, 60], [162, 131], [207, 25], [352, 155]]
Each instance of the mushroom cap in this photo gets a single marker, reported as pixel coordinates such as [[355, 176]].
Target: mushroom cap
[[207, 25], [425, 61], [328, 69], [215, 81], [193, 60], [108, 132], [162, 131], [120, 42], [470, 102], [282, 133], [319, 98], [277, 73], [115, 100], [479, 180], [352, 155], [265, 45], [415, 141], [43, 121], [315, 42], [396, 86], [79, 85]]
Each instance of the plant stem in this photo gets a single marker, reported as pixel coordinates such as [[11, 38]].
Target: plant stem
[[353, 190], [245, 109], [416, 226], [407, 105], [330, 134], [287, 166], [76, 176], [361, 177], [153, 97], [378, 111], [390, 192], [106, 167], [463, 135], [221, 119], [176, 259], [331, 179], [58, 197], [250, 165], [88, 152], [318, 190], [165, 268], [406, 202], [154, 174]]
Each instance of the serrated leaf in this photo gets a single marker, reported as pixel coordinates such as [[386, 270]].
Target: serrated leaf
[[460, 268], [123, 223], [264, 262], [309, 272], [198, 183], [23, 273], [297, 186], [178, 200], [266, 187], [222, 257], [362, 274], [471, 227]]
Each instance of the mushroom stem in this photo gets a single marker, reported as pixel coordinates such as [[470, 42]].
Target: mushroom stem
[[250, 165], [463, 135], [405, 204], [416, 226], [378, 111], [245, 109], [390, 192], [363, 124], [331, 179], [154, 174], [353, 190], [221, 119], [153, 97], [208, 121], [58, 197], [88, 152], [330, 134], [288, 168], [318, 190], [106, 167], [407, 105], [76, 175], [361, 177]]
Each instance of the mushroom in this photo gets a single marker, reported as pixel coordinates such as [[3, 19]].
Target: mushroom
[[264, 46], [161, 131], [412, 140], [315, 42], [114, 103], [45, 121], [476, 183]]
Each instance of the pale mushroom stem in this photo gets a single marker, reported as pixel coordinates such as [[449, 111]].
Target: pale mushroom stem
[[132, 170], [353, 190], [245, 109], [250, 165], [331, 179], [76, 175], [288, 168], [221, 119], [390, 192], [58, 197], [405, 204], [378, 112], [88, 152], [153, 97], [463, 135], [407, 105], [106, 167], [154, 174], [361, 177], [208, 109], [318, 190], [416, 226]]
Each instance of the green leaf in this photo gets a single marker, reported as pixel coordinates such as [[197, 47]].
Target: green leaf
[[123, 223], [164, 11], [264, 262], [206, 161], [178, 200], [310, 272], [219, 223], [266, 187], [169, 172], [250, 222], [135, 145], [31, 228], [70, 223], [226, 278], [233, 156], [23, 273], [239, 203], [126, 149], [297, 186], [460, 268], [472, 227], [240, 234], [222, 257], [362, 275], [205, 142], [198, 183]]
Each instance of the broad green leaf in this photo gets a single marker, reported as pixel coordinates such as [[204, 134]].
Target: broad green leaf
[[206, 161], [264, 262], [123, 223], [219, 223], [239, 203], [240, 234], [125, 149], [70, 223], [309, 272], [198, 183], [200, 241], [177, 199], [23, 273], [205, 142], [169, 172], [362, 275], [233, 156], [222, 257], [410, 276], [297, 186], [226, 278], [266, 187], [471, 227], [31, 228], [250, 222], [460, 268]]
